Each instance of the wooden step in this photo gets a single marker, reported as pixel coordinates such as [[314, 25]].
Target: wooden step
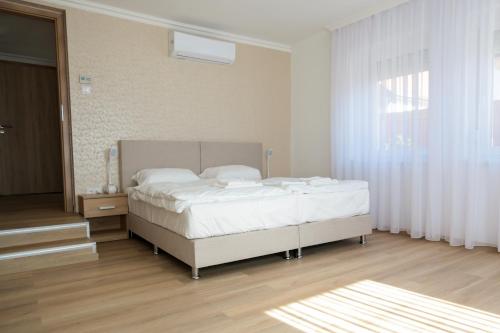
[[43, 233], [50, 254], [9, 222]]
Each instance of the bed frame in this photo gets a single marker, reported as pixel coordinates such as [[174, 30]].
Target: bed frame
[[198, 253]]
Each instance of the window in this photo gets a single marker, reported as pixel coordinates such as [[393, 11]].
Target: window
[[405, 104]]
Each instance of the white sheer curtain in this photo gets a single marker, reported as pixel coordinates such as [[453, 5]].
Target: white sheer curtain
[[413, 113]]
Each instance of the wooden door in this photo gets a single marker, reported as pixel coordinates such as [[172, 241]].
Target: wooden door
[[30, 151]]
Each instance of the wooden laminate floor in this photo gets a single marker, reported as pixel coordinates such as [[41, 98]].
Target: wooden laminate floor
[[33, 210], [342, 287]]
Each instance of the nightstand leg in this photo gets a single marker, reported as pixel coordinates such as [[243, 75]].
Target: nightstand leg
[[299, 253], [155, 250], [362, 240], [195, 274]]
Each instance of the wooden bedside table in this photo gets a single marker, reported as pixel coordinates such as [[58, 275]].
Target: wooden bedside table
[[107, 214]]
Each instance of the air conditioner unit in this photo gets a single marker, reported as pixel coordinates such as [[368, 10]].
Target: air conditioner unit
[[186, 46]]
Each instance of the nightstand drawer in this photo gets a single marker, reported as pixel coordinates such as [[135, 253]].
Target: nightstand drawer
[[97, 207]]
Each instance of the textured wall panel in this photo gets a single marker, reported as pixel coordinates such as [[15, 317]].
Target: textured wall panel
[[138, 92]]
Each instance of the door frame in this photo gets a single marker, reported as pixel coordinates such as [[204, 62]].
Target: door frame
[[58, 16]]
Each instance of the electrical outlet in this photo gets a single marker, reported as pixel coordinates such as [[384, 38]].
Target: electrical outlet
[[86, 89]]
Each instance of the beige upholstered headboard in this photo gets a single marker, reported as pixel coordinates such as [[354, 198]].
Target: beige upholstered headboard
[[225, 153], [143, 154], [136, 155]]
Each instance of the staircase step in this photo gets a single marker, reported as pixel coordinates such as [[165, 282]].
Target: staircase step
[[83, 242], [35, 221], [43, 233], [48, 254]]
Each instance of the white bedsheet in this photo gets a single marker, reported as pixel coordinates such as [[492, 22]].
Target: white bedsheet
[[177, 197], [222, 218]]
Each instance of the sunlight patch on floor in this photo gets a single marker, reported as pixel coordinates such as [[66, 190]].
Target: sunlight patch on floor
[[369, 306]]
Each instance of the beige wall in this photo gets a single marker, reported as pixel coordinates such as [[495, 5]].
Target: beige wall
[[138, 92], [311, 106]]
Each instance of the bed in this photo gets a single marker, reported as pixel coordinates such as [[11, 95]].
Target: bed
[[178, 235]]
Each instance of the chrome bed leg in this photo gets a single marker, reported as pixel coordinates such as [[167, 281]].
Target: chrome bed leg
[[195, 273], [287, 255], [299, 253], [155, 249], [362, 240]]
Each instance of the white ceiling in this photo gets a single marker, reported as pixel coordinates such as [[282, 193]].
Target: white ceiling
[[279, 21]]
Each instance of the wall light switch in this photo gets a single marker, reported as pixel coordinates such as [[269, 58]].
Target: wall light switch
[[85, 84]]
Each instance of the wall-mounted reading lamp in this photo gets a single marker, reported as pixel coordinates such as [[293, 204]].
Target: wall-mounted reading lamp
[[269, 153]]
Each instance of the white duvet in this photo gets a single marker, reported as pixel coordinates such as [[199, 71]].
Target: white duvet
[[322, 199], [177, 197], [223, 218], [208, 208]]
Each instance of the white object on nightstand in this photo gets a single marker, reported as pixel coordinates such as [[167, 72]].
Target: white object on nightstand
[[111, 189], [112, 153]]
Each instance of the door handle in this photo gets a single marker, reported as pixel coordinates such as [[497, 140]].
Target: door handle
[[4, 128]]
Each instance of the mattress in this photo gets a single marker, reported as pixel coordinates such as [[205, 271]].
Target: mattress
[[222, 218]]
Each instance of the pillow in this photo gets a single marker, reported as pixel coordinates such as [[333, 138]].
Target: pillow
[[151, 176], [232, 172]]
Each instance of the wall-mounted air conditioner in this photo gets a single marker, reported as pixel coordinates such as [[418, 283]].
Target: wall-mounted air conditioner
[[186, 46]]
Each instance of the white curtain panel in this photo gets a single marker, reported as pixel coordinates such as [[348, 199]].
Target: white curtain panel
[[414, 112]]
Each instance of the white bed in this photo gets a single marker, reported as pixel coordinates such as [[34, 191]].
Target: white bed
[[236, 215], [203, 233]]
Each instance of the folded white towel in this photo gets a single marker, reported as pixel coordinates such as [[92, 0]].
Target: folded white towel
[[283, 181], [237, 183], [334, 187], [315, 181]]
